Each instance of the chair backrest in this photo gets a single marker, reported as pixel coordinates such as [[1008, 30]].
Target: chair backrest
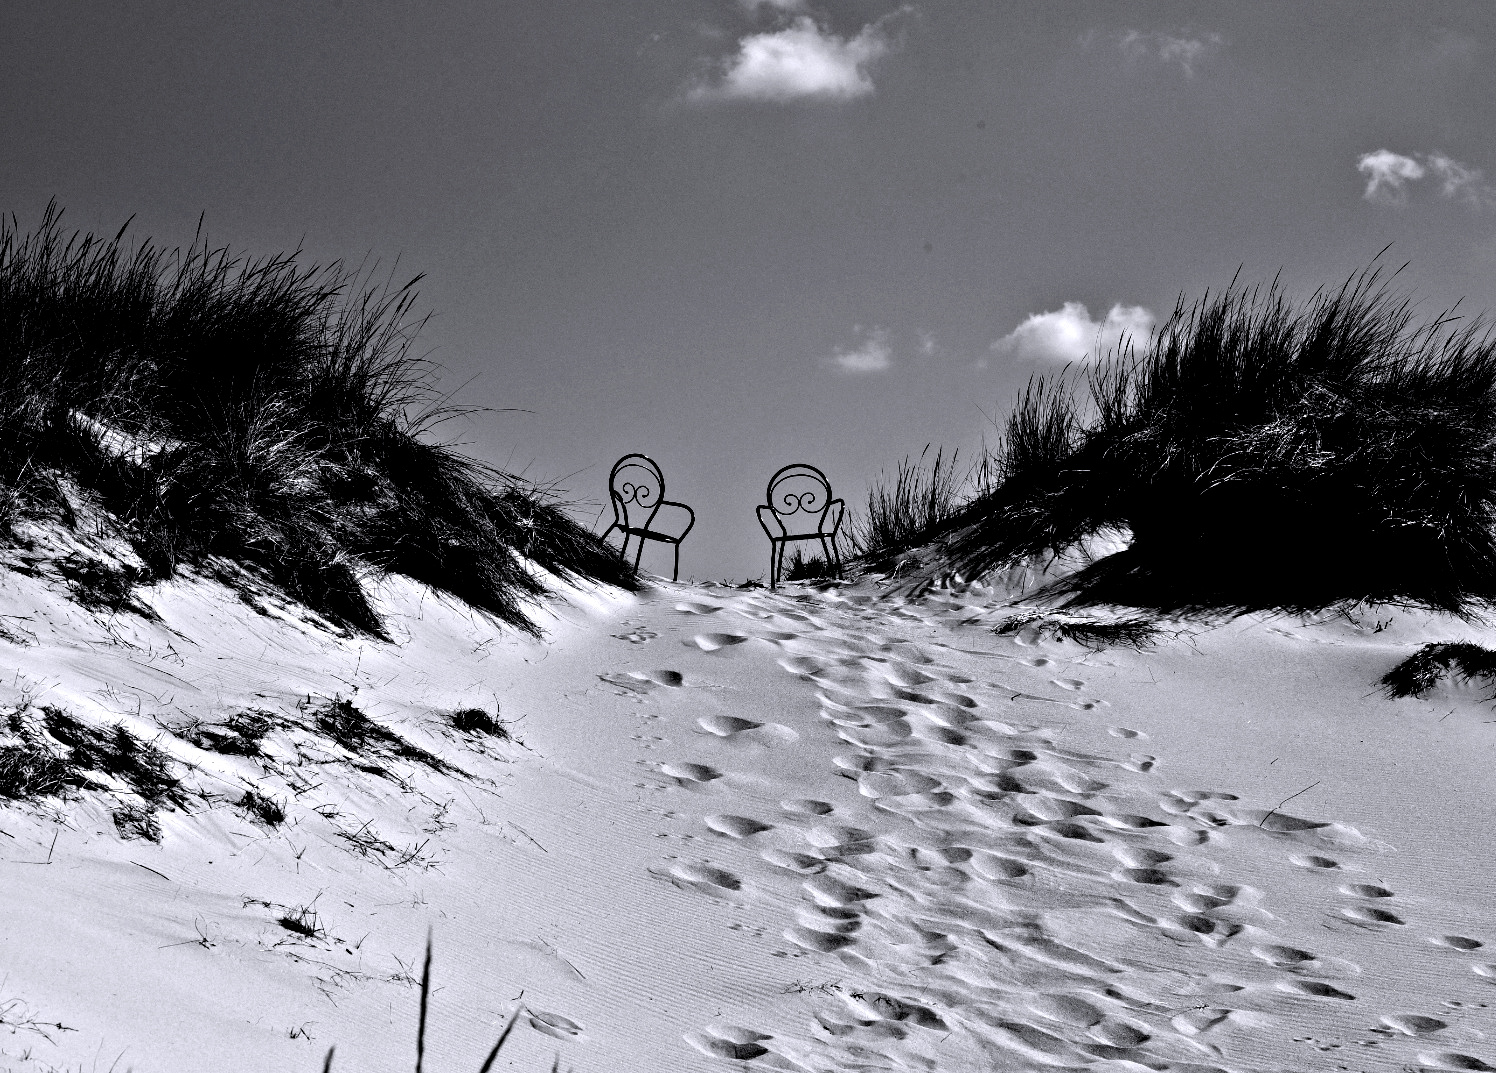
[[799, 495], [636, 487]]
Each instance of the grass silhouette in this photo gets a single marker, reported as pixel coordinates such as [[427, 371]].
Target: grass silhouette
[[1260, 454], [263, 411]]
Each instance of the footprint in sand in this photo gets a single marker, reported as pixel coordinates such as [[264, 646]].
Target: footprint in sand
[[1365, 890], [995, 866], [737, 826], [802, 863], [732, 727], [637, 637], [1067, 1010], [644, 681], [715, 642], [691, 772], [1310, 860], [802, 806], [1314, 989], [1072, 684], [699, 875], [837, 841], [1457, 942], [822, 942], [692, 607], [1453, 1060], [730, 1042], [1414, 1024], [895, 784], [1366, 914], [1124, 732], [553, 1024]]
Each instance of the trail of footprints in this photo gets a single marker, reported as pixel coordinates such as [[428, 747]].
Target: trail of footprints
[[992, 897]]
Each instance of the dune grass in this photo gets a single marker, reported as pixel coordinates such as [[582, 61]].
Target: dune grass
[[259, 410], [1261, 454], [420, 1065], [921, 495], [1421, 673]]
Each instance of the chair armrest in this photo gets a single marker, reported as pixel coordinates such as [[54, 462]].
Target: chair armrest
[[765, 514], [690, 516], [831, 520]]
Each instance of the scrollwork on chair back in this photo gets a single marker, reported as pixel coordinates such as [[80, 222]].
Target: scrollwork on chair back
[[637, 487], [798, 495]]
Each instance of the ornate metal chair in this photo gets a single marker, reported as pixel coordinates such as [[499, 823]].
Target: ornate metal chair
[[800, 507], [637, 489]]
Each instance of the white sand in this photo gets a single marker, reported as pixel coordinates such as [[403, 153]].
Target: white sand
[[797, 831]]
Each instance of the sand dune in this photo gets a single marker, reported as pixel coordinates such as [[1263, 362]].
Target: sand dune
[[798, 831]]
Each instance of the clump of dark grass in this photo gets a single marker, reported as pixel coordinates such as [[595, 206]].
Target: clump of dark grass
[[262, 411], [365, 738], [241, 734], [302, 920], [1422, 672], [30, 769], [264, 809], [137, 820], [477, 721], [901, 515], [803, 568], [1132, 632], [116, 752], [1261, 454], [102, 586]]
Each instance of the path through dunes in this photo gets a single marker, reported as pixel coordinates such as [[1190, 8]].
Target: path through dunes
[[748, 830], [951, 850]]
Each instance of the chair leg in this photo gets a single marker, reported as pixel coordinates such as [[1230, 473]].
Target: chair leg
[[836, 555], [675, 574], [775, 551], [639, 555]]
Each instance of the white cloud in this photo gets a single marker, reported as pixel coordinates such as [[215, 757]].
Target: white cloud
[[1461, 181], [798, 62], [777, 5], [1389, 176], [871, 354], [1186, 51], [1069, 334]]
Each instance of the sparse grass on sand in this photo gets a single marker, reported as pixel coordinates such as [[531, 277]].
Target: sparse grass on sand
[[263, 411], [1130, 632], [57, 754], [1259, 455], [493, 1054], [1422, 672], [922, 495]]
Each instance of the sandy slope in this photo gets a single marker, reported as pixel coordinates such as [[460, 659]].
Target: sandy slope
[[817, 831]]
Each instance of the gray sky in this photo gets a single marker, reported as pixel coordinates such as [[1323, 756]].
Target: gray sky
[[737, 234]]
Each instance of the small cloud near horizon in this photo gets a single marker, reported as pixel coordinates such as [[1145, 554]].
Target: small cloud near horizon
[[1069, 334], [871, 354], [801, 61], [1185, 50], [1389, 176], [777, 5]]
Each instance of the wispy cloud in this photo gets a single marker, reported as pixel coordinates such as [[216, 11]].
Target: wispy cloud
[[1184, 50], [1069, 333], [870, 354], [777, 5], [800, 61], [1460, 181], [1389, 176]]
